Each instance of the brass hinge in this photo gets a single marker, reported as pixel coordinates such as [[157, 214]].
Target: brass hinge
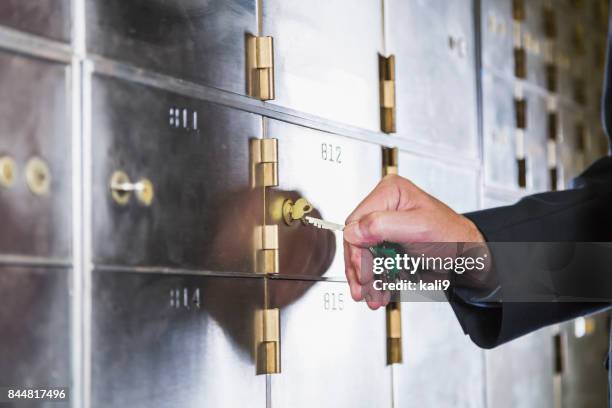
[[390, 160], [264, 162], [266, 249], [267, 324], [394, 333], [260, 67], [386, 66]]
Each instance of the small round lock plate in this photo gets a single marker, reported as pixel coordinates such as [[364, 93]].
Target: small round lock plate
[[117, 182], [38, 176], [146, 192], [8, 171]]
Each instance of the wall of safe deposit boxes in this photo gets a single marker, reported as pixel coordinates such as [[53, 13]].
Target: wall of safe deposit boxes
[[136, 217]]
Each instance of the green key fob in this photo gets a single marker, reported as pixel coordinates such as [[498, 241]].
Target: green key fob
[[387, 250]]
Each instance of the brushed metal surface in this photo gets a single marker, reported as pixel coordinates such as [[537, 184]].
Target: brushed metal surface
[[333, 349], [34, 122], [167, 341], [572, 159], [47, 18], [433, 42], [497, 39], [499, 139], [200, 41], [326, 61], [442, 367], [455, 186], [204, 212], [490, 201], [334, 182], [584, 382], [520, 373], [536, 138], [534, 41], [35, 327]]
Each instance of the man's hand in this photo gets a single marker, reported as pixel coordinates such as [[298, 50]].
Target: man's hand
[[397, 211]]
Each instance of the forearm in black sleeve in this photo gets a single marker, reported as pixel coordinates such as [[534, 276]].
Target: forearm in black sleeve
[[581, 214]]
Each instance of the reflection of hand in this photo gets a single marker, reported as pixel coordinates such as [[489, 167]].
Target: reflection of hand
[[398, 211], [304, 251]]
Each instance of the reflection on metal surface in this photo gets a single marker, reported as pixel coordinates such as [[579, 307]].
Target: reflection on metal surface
[[35, 327], [520, 373], [8, 171], [260, 67], [334, 173], [33, 126], [327, 340], [200, 41], [441, 354], [461, 194], [325, 58], [47, 18], [163, 341], [434, 48], [584, 378], [205, 210]]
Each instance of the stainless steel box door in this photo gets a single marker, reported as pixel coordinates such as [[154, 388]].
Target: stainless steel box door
[[442, 367], [433, 42], [195, 154], [332, 348], [170, 340], [35, 327], [334, 173], [47, 18], [584, 379], [35, 147], [455, 186], [520, 373], [499, 132], [326, 57], [196, 40], [497, 38]]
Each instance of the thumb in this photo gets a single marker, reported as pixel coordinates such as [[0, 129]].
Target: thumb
[[379, 226]]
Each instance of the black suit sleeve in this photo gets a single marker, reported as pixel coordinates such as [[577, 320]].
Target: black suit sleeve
[[581, 214]]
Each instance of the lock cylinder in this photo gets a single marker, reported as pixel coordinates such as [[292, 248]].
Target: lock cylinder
[[8, 171], [121, 189], [38, 176]]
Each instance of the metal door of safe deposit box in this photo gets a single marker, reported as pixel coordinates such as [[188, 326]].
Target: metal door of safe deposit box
[[437, 352], [200, 41], [326, 57], [35, 184], [202, 210], [35, 326], [435, 74], [334, 174], [333, 349], [168, 340]]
